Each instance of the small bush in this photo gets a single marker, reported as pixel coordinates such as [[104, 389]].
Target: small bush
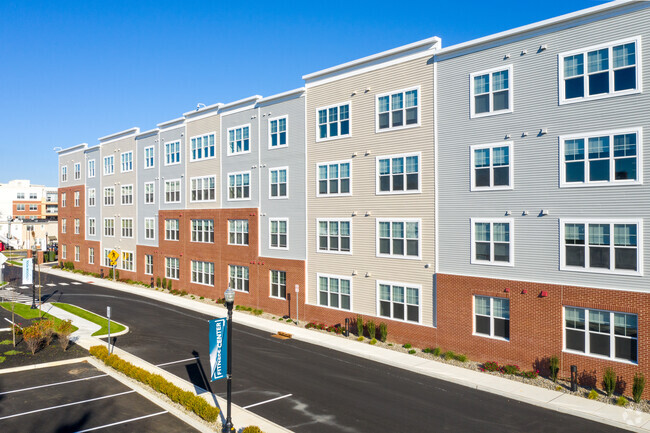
[[460, 357], [252, 429], [201, 297], [609, 381], [407, 346], [412, 352], [117, 274], [509, 369], [360, 338], [427, 350], [554, 366], [558, 388], [169, 284], [449, 355], [529, 374], [437, 351], [158, 283], [33, 337], [637, 386], [490, 366], [47, 330], [110, 273], [63, 331], [622, 401], [164, 283], [372, 329], [291, 321], [359, 326], [373, 341], [593, 395], [383, 332]]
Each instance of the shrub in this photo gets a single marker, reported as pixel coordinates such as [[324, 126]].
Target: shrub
[[360, 326], [407, 346], [460, 357], [252, 429], [490, 366], [291, 321], [63, 331], [449, 355], [373, 341], [372, 329], [33, 337], [558, 388], [621, 401], [437, 351], [164, 283], [201, 297], [609, 381], [427, 350], [47, 330], [509, 369], [637, 386], [554, 366], [169, 285], [360, 338], [529, 374], [593, 395], [383, 332], [117, 274], [158, 283], [412, 352], [110, 273]]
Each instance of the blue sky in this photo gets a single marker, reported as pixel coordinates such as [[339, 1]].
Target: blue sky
[[73, 71]]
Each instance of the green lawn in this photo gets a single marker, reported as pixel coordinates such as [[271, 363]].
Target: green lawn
[[14, 262], [26, 312], [92, 317]]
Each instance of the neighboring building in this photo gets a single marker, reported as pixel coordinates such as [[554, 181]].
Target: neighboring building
[[20, 199]]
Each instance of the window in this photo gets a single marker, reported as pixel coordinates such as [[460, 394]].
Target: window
[[20, 196], [64, 225], [148, 264], [63, 199], [278, 132], [398, 174], [173, 153], [171, 267], [605, 334], [203, 231], [109, 196], [238, 278], [91, 196], [150, 228], [278, 233], [33, 207], [149, 157], [203, 188], [279, 284], [398, 110], [334, 236], [398, 238], [64, 252], [149, 193], [33, 196], [77, 171], [127, 161], [77, 226], [491, 92], [492, 241], [92, 229], [334, 178], [491, 166], [64, 173], [600, 71], [238, 140], [203, 273], [606, 158], [109, 227], [91, 256], [334, 291], [77, 253], [20, 207], [107, 261], [127, 227], [278, 182], [202, 147], [109, 165], [76, 199], [601, 246], [333, 122], [127, 194], [91, 168], [492, 317], [239, 186], [171, 230], [238, 232], [127, 261], [173, 191], [399, 301]]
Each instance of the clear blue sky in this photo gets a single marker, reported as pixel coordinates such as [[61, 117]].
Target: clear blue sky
[[73, 71]]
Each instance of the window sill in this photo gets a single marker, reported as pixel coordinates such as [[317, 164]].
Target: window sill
[[203, 159], [284, 146], [390, 256], [238, 153], [335, 308], [622, 361], [202, 284], [601, 184], [502, 264], [334, 195], [418, 191], [491, 188], [278, 297], [476, 334], [564, 101], [173, 163], [339, 137], [489, 114], [339, 253], [601, 271], [396, 128]]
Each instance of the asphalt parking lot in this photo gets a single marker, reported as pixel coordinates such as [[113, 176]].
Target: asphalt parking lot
[[77, 397]]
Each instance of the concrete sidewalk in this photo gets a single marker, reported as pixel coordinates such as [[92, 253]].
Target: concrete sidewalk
[[554, 400]]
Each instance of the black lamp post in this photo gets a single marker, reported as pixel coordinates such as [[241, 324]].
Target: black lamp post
[[230, 300], [34, 259]]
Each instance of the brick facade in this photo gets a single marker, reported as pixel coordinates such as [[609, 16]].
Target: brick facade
[[71, 212]]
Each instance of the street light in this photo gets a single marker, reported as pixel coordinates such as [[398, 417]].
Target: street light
[[230, 300]]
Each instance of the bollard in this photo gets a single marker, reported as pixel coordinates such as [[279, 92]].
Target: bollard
[[101, 273], [152, 282], [347, 326], [574, 378]]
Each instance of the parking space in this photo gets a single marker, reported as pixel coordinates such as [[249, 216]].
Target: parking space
[[77, 398]]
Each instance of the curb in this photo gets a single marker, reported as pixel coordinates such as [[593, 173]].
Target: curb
[[44, 365]]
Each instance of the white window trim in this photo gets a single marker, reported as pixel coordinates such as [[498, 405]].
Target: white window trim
[[398, 220], [145, 264], [398, 155], [133, 260], [204, 177], [94, 164], [405, 285], [271, 284], [77, 253], [76, 174], [248, 279], [279, 248], [178, 268], [247, 232], [132, 228], [144, 199], [213, 271], [338, 137], [339, 162], [104, 196], [104, 228], [132, 195], [154, 229], [611, 132], [180, 189], [180, 152], [397, 128], [64, 173], [279, 146], [91, 257], [511, 167], [216, 146], [492, 262], [250, 140], [178, 230], [639, 73], [284, 197], [491, 336], [250, 188], [144, 154], [94, 226], [587, 221], [511, 88], [318, 221], [339, 277], [94, 195], [132, 161], [104, 165]]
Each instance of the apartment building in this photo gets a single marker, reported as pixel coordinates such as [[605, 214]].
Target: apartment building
[[22, 200]]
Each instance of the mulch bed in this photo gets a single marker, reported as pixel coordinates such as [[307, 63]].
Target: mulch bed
[[51, 353]]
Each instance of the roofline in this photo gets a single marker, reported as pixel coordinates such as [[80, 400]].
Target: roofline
[[170, 122], [534, 26], [126, 132], [254, 98], [97, 146], [281, 95], [424, 42], [73, 148], [149, 132], [202, 110]]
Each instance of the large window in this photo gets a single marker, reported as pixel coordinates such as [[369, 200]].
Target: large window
[[491, 166], [492, 241], [64, 173], [203, 188], [64, 225], [238, 278], [239, 186], [173, 153], [278, 181], [173, 191], [238, 232], [398, 174], [203, 273], [171, 268], [91, 196], [601, 246], [127, 194], [107, 260], [398, 238], [239, 140], [334, 236], [171, 230], [76, 199], [109, 196], [127, 227], [203, 231], [63, 199], [202, 147], [149, 193], [109, 227], [126, 159], [491, 92], [601, 333], [77, 253], [64, 252], [278, 132], [279, 284], [398, 109], [91, 256], [77, 226], [399, 301], [150, 228], [334, 291], [333, 122], [148, 264], [600, 71], [279, 233], [92, 227], [334, 178], [77, 171], [602, 158], [127, 260], [149, 157], [109, 165], [91, 168], [492, 317]]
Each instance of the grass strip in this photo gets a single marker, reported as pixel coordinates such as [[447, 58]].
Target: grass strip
[[91, 317], [27, 313], [14, 262]]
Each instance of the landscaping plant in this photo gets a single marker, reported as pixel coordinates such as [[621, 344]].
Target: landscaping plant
[[360, 326], [437, 351], [383, 332], [252, 429], [158, 283], [509, 369], [169, 285], [490, 366], [621, 401], [373, 341], [609, 381], [47, 330], [164, 283], [407, 346], [63, 332], [371, 329], [637, 386], [33, 337], [593, 395], [554, 366]]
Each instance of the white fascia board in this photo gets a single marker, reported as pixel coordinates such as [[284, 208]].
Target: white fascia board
[[147, 133], [281, 95], [73, 149], [120, 134], [202, 110], [169, 123], [251, 100]]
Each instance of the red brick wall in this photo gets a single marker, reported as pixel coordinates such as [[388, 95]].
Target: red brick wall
[[28, 213], [70, 239]]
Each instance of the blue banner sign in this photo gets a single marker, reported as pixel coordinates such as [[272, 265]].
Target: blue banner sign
[[218, 348], [28, 271]]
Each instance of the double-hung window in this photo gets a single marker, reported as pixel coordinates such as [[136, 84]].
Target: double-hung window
[[148, 264], [203, 188], [77, 171], [63, 199], [398, 238], [491, 166], [91, 196], [109, 165], [126, 159], [398, 174], [239, 186], [91, 256], [171, 230], [64, 252], [492, 317], [605, 334], [173, 191], [127, 194], [609, 246], [173, 153], [238, 232], [33, 196], [64, 173], [34, 207], [77, 226], [64, 225], [333, 122], [109, 227], [127, 260], [334, 291], [92, 227], [492, 241], [149, 193], [150, 228], [109, 196], [279, 284], [334, 236], [239, 140], [278, 132], [127, 227], [601, 158], [107, 260], [203, 231], [77, 253], [600, 71], [20, 196], [491, 92], [149, 157], [398, 110], [203, 273], [20, 207], [398, 301], [76, 199], [279, 233], [91, 168], [278, 182], [238, 278], [334, 178], [172, 265], [202, 147]]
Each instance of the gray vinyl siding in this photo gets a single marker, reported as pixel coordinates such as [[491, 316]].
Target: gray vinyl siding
[[94, 182], [169, 172], [144, 175], [69, 159], [208, 167], [536, 156]]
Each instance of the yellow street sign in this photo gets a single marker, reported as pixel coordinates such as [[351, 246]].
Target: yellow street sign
[[113, 256]]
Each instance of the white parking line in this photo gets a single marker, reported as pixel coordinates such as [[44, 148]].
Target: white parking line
[[76, 283], [263, 402], [64, 284], [52, 384], [51, 285], [66, 405], [122, 422], [177, 362], [24, 287]]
